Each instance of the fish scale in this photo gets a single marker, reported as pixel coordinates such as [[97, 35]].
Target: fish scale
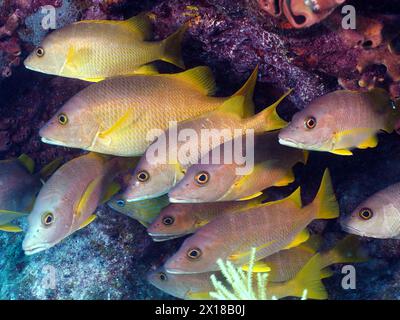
[[149, 102], [342, 120], [272, 167], [95, 50], [67, 196], [269, 228]]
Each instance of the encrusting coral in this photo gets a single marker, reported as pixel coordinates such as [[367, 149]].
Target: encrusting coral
[[241, 284], [301, 14]]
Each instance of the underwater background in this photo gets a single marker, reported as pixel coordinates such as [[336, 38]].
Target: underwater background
[[110, 258]]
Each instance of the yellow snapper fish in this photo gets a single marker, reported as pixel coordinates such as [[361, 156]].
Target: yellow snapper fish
[[93, 50], [378, 216], [341, 121], [145, 211], [68, 199], [19, 186], [268, 228], [220, 181], [285, 264], [154, 178], [116, 115], [180, 219], [198, 286]]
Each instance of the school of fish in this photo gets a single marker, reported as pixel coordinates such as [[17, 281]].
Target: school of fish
[[178, 181]]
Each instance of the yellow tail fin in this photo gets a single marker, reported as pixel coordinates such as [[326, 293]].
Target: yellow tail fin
[[173, 46], [325, 202], [271, 118], [347, 250], [309, 278]]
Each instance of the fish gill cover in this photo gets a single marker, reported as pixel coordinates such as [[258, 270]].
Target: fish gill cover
[[111, 257]]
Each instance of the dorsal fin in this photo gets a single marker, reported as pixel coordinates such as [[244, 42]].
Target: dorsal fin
[[200, 78], [141, 25]]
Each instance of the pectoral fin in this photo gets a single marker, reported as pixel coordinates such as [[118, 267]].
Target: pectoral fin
[[76, 59], [240, 255], [201, 223], [120, 124], [86, 197], [88, 221], [257, 194], [10, 228], [299, 239]]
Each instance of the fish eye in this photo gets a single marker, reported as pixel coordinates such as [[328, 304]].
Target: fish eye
[[143, 176], [62, 119], [168, 220], [121, 203], [365, 213], [39, 52], [47, 218], [202, 178], [162, 276], [310, 123], [194, 253]]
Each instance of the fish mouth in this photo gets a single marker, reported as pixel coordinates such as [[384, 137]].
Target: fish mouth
[[352, 230], [291, 143], [158, 237], [134, 198], [37, 248], [53, 142], [179, 200], [179, 271]]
